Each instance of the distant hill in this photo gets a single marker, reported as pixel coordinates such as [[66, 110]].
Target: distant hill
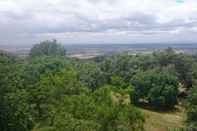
[[4, 53]]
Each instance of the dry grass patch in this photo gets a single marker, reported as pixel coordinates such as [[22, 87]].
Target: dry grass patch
[[164, 121]]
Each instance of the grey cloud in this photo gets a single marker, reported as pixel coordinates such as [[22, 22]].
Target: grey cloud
[[31, 22], [78, 23]]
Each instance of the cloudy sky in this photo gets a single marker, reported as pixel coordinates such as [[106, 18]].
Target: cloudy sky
[[25, 22]]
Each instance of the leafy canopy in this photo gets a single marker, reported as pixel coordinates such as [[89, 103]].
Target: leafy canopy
[[48, 48]]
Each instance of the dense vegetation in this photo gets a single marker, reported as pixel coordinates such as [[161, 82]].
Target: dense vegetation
[[49, 48], [50, 92]]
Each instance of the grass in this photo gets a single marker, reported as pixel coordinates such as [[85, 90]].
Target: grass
[[164, 121], [157, 120]]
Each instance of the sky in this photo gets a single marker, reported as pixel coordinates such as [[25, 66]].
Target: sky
[[26, 22]]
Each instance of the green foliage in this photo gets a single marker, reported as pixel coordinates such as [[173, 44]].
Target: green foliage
[[120, 86], [48, 92], [158, 88], [191, 108], [48, 48], [97, 112], [90, 74], [120, 65], [19, 117], [14, 107], [165, 57], [117, 81], [73, 108], [66, 122], [116, 115], [51, 89], [32, 69], [182, 63]]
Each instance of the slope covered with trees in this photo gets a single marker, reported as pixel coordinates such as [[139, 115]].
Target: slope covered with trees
[[51, 92]]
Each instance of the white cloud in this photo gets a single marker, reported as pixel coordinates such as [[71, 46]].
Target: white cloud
[[33, 20]]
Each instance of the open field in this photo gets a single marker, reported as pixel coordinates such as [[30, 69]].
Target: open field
[[164, 121], [158, 120]]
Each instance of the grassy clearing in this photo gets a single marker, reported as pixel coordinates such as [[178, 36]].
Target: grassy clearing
[[158, 120], [164, 121]]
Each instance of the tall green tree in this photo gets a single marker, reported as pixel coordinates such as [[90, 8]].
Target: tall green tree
[[90, 74], [14, 106], [48, 48], [158, 88], [191, 108]]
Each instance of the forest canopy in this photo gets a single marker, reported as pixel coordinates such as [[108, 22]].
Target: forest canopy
[[50, 92]]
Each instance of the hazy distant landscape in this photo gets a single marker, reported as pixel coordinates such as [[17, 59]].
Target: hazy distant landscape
[[85, 51]]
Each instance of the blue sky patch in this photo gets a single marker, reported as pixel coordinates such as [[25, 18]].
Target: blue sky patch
[[180, 1]]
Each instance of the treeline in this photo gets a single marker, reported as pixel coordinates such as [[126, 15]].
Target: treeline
[[48, 91]]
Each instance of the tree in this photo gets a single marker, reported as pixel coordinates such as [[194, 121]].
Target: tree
[[115, 114], [182, 64], [121, 65], [48, 48], [51, 89], [33, 69], [158, 88], [191, 108], [14, 107], [94, 112], [90, 74], [165, 57]]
